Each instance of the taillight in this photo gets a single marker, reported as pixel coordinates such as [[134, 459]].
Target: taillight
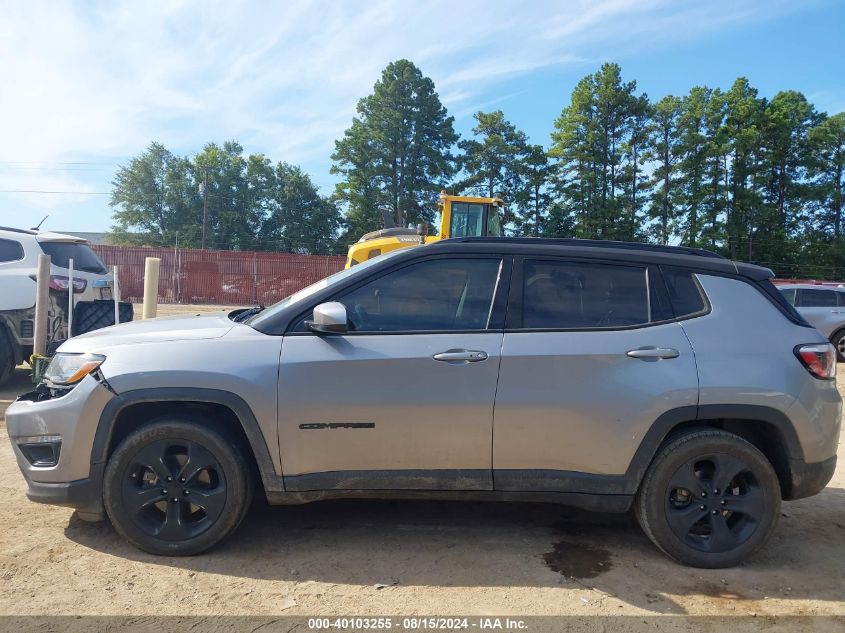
[[819, 359], [58, 282]]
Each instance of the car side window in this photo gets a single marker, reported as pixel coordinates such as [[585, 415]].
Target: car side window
[[433, 295], [578, 295], [817, 298], [684, 292], [10, 251]]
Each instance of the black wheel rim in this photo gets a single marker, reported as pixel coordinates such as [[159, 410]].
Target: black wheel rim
[[174, 490], [714, 503]]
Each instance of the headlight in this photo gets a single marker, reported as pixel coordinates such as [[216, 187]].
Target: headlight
[[69, 369]]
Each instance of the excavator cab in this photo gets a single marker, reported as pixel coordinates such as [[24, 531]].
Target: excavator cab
[[460, 216], [472, 217]]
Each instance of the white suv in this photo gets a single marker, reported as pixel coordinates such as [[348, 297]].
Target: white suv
[[19, 251]]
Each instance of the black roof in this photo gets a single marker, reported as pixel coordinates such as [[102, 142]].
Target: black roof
[[679, 256], [558, 241]]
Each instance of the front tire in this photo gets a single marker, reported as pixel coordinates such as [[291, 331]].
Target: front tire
[[176, 488], [710, 499]]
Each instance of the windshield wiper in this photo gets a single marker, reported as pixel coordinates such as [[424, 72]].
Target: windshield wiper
[[243, 315]]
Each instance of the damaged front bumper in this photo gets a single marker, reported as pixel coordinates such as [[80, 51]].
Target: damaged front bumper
[[52, 435]]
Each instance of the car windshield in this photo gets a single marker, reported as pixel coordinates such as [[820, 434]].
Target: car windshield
[[84, 258], [314, 288]]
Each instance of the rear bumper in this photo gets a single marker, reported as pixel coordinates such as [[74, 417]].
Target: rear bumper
[[83, 495], [808, 479]]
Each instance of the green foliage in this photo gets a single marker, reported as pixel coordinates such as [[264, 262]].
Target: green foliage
[[535, 197], [755, 179], [826, 169], [396, 156], [493, 166], [252, 204], [664, 153], [154, 199], [299, 219], [599, 140]]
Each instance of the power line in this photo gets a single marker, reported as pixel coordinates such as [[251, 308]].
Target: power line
[[83, 168], [50, 162], [70, 193]]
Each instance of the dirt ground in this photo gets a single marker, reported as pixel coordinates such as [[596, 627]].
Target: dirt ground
[[440, 558]]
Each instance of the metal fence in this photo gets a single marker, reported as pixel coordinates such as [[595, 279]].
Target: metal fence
[[217, 277]]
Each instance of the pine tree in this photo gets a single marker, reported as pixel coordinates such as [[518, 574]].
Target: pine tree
[[591, 142], [396, 156], [534, 199], [492, 165], [827, 172], [664, 151]]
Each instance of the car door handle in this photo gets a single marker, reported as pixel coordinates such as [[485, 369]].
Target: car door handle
[[653, 353], [460, 356]]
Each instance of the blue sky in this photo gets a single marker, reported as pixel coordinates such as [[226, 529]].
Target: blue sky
[[87, 85]]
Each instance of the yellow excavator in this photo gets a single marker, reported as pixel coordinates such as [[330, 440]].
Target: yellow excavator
[[460, 216]]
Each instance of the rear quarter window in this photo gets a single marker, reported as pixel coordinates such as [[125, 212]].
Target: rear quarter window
[[685, 293], [10, 251], [84, 258]]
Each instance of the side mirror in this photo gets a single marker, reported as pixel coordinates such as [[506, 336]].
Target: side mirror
[[329, 318]]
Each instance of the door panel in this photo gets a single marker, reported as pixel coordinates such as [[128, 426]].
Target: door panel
[[378, 411], [577, 402]]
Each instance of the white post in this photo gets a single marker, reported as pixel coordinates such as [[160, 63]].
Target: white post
[[151, 270], [42, 305], [70, 298], [116, 295]]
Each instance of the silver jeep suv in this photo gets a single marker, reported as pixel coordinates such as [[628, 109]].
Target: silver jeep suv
[[602, 375]]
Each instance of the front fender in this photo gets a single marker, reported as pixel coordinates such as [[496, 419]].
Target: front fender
[[258, 442]]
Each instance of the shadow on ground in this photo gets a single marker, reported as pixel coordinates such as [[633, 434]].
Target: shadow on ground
[[457, 544]]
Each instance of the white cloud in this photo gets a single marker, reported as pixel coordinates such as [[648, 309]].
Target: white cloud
[[99, 81]]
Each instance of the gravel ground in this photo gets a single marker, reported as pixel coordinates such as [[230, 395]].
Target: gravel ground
[[377, 557]]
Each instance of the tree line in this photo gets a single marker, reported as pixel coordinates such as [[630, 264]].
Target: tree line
[[245, 203], [753, 178]]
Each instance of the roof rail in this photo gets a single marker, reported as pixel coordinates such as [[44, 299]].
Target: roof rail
[[634, 246], [13, 230]]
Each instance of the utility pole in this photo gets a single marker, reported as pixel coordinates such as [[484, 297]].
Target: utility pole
[[204, 207]]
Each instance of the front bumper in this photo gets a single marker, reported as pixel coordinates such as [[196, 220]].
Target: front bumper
[[74, 417], [84, 495]]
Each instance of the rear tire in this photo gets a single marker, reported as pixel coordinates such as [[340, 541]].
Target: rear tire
[[838, 341], [709, 499], [176, 488], [7, 356]]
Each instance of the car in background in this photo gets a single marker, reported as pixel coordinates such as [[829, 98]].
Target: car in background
[[19, 251], [823, 305]]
